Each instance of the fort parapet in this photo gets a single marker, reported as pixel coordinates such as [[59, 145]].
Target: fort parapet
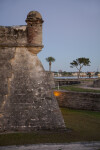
[[26, 99]]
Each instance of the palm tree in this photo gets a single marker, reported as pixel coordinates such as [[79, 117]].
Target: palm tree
[[50, 60]]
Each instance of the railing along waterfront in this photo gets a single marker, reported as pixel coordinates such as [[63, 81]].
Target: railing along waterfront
[[69, 80]]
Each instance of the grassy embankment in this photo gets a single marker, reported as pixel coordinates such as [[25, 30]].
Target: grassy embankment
[[75, 88], [84, 125]]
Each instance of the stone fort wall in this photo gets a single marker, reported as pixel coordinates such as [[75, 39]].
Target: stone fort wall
[[96, 83], [78, 100], [27, 102]]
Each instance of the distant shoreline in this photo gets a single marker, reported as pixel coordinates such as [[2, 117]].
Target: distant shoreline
[[94, 77]]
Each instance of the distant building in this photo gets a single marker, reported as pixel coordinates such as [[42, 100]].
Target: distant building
[[99, 75]]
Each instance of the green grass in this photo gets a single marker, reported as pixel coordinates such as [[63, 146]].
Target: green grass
[[78, 89], [84, 125]]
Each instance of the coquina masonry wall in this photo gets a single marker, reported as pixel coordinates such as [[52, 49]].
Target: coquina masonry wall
[[27, 102], [96, 83], [78, 100]]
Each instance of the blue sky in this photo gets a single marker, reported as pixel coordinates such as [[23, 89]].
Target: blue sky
[[71, 29]]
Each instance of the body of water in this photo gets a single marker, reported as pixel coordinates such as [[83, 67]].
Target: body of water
[[94, 77]]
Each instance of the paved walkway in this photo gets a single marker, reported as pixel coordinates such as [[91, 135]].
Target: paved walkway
[[66, 146], [88, 87]]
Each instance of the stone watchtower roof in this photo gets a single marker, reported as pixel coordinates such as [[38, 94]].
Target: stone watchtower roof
[[34, 16]]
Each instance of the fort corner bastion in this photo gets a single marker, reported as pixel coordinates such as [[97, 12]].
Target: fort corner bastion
[[27, 102]]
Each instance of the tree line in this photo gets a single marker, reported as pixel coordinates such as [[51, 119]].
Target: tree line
[[79, 63]]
